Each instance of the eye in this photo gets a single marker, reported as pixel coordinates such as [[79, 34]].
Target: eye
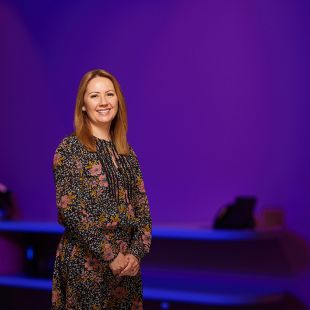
[[110, 94], [93, 96]]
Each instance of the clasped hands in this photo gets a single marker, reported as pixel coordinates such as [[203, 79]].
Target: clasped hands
[[125, 265]]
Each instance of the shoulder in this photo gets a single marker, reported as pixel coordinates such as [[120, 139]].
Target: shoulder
[[133, 156], [66, 151], [68, 144], [132, 152]]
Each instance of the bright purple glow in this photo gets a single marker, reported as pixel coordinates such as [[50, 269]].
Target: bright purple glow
[[217, 94]]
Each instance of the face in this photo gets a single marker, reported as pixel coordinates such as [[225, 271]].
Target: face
[[100, 101]]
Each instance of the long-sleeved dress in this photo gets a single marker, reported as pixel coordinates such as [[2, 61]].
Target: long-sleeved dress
[[102, 204]]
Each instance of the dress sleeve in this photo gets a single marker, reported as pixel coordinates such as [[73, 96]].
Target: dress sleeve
[[75, 208], [141, 241]]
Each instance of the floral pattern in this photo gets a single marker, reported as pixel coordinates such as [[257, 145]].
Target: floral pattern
[[102, 204]]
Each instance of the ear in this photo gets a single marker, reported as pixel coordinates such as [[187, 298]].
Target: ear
[[83, 108]]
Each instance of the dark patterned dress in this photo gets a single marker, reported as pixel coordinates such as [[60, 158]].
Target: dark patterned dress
[[103, 206]]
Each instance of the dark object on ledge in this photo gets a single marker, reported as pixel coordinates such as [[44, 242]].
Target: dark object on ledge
[[6, 203], [238, 215]]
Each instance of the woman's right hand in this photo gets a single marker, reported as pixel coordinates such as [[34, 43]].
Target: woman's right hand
[[118, 264]]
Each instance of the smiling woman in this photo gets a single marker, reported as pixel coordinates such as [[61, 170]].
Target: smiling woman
[[101, 105], [102, 204], [100, 111]]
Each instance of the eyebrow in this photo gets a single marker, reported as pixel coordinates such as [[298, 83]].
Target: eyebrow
[[97, 92]]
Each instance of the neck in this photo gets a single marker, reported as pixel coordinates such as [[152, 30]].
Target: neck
[[101, 132]]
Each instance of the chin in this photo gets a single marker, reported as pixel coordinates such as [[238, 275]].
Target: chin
[[105, 121]]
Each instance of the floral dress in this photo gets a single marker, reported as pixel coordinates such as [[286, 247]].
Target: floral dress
[[103, 207]]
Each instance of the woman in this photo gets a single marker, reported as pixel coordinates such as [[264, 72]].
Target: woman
[[102, 204]]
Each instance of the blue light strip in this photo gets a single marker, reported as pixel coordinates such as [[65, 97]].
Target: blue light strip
[[208, 234], [210, 299], [164, 295], [163, 232], [24, 282], [31, 227]]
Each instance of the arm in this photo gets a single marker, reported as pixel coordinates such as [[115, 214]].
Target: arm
[[141, 241], [75, 208]]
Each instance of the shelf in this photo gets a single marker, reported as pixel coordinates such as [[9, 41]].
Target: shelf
[[163, 232], [26, 282], [31, 227], [210, 299], [199, 233], [163, 294], [173, 274]]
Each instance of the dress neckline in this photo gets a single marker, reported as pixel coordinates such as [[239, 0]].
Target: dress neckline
[[103, 140]]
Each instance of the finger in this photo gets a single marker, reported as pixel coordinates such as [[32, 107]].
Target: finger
[[115, 272], [136, 271], [122, 265], [125, 272], [132, 273], [118, 268], [134, 258], [133, 261], [132, 267]]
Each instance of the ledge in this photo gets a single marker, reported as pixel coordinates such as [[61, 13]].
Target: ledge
[[166, 232], [163, 294]]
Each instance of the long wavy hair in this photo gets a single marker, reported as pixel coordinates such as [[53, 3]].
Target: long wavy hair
[[119, 125]]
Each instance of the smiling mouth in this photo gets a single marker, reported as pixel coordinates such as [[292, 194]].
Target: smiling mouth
[[103, 111]]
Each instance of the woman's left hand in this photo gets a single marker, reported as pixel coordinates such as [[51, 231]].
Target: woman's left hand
[[132, 268]]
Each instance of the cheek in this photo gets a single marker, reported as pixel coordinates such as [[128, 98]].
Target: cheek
[[89, 105], [115, 105], [86, 104]]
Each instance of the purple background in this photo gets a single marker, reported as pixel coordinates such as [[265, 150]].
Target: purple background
[[217, 95]]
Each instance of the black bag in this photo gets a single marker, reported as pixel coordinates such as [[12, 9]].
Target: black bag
[[238, 215]]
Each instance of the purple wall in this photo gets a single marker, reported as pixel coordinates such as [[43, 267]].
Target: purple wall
[[216, 91]]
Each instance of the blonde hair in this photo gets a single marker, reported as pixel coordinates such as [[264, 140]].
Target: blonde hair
[[119, 125]]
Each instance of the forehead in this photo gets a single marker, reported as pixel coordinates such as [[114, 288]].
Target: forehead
[[100, 84]]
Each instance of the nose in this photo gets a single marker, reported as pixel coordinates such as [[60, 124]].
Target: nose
[[104, 100]]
